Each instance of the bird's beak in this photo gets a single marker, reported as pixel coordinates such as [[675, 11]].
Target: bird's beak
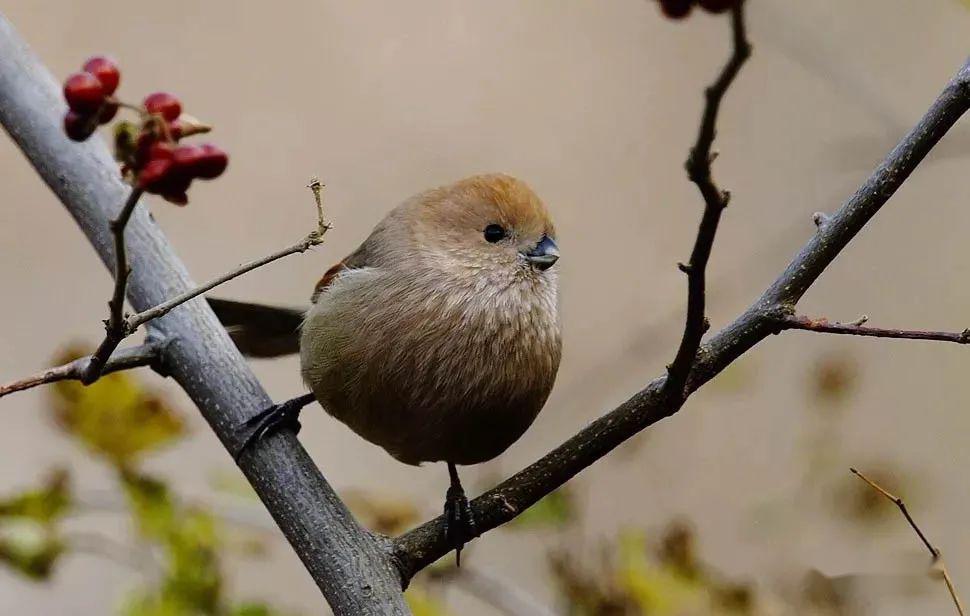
[[544, 255]]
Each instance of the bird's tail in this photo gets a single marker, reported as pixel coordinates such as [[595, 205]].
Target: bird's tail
[[259, 330]]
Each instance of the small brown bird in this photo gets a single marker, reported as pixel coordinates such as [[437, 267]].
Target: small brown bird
[[437, 339]]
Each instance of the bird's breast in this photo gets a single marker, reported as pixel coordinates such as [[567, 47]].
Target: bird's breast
[[433, 369]]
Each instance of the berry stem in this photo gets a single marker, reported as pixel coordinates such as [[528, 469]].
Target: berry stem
[[116, 326]]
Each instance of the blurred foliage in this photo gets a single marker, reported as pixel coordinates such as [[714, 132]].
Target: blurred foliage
[[858, 502], [554, 510], [29, 549], [833, 379], [635, 577], [424, 603], [121, 422], [45, 504], [115, 417]]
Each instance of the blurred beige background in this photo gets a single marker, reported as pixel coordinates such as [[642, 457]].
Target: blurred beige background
[[595, 104]]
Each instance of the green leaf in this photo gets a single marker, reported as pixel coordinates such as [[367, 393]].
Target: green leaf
[[555, 510], [255, 609], [193, 570], [423, 603], [43, 505], [114, 417], [30, 549], [151, 504]]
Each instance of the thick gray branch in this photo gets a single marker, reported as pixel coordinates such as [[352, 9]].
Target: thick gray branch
[[349, 564], [423, 545]]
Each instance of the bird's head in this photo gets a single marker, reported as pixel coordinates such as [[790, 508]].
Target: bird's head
[[494, 224]]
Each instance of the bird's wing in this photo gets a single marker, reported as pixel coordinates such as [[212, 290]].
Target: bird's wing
[[356, 260]]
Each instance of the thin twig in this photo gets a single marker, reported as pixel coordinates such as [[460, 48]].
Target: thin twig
[[115, 327], [856, 328], [119, 327], [314, 238], [934, 552], [153, 313], [698, 167], [147, 354]]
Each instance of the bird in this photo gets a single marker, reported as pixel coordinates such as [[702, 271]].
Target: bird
[[437, 339]]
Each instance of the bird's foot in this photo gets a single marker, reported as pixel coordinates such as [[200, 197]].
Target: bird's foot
[[459, 521], [285, 415]]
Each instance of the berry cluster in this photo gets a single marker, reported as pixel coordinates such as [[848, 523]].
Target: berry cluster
[[151, 155], [88, 94], [678, 9]]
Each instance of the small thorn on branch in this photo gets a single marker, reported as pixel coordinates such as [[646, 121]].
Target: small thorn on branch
[[820, 219], [858, 322], [684, 267]]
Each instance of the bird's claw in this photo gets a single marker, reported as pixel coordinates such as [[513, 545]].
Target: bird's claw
[[268, 421], [459, 521]]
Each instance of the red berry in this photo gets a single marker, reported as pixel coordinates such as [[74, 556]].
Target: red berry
[[160, 150], [174, 187], [108, 111], [180, 199], [187, 159], [163, 104], [106, 72], [212, 163], [716, 6], [78, 126], [83, 92], [175, 129], [153, 174], [676, 9], [143, 145]]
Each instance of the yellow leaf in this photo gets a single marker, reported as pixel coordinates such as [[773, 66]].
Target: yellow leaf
[[151, 504], [114, 417]]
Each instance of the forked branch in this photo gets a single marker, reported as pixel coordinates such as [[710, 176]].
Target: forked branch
[[715, 200]]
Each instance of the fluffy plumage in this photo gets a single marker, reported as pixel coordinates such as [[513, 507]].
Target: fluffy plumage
[[429, 340], [439, 337]]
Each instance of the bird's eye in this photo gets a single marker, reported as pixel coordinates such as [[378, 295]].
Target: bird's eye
[[494, 233]]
